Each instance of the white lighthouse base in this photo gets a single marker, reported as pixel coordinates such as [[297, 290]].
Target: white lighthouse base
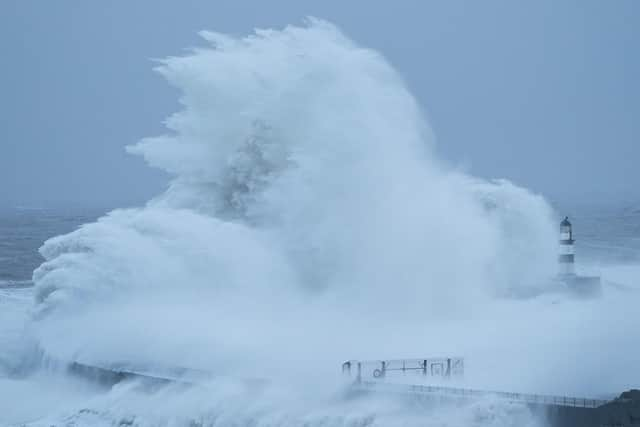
[[583, 286]]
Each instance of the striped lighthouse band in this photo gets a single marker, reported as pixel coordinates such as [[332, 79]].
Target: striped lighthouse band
[[566, 258], [565, 239]]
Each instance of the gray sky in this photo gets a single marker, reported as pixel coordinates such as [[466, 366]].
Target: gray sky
[[543, 92]]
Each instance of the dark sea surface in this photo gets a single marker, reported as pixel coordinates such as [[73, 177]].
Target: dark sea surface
[[22, 232]]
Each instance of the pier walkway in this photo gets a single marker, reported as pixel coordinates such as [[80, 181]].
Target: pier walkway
[[539, 399]]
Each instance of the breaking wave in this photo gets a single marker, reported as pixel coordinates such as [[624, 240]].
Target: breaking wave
[[308, 220]]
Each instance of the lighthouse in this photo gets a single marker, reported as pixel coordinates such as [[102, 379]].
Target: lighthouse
[[578, 285], [567, 255]]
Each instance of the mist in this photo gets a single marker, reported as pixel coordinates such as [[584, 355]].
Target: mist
[[309, 220]]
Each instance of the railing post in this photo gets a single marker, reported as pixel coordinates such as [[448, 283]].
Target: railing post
[[359, 377], [346, 367]]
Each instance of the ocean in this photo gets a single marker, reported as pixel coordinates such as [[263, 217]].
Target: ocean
[[24, 230]]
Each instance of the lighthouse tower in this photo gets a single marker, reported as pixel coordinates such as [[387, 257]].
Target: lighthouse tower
[[567, 254]]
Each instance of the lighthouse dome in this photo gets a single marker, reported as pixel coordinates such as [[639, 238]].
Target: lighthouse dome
[[565, 222]]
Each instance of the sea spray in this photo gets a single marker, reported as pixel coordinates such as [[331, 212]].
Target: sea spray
[[307, 221], [305, 190]]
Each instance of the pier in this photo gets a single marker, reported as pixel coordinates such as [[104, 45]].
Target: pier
[[377, 377], [555, 411], [467, 393], [372, 376]]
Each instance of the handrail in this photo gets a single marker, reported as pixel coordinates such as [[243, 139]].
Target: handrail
[[577, 402]]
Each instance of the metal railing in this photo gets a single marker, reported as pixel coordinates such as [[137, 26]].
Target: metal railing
[[540, 399], [444, 367]]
